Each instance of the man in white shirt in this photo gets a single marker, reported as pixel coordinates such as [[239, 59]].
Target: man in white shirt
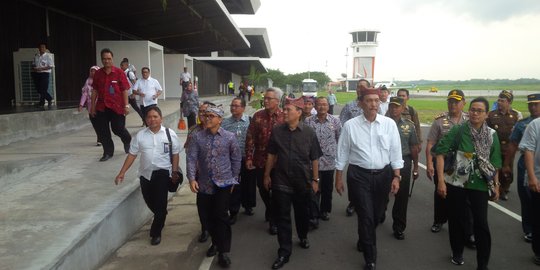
[[185, 78], [385, 102], [155, 169], [370, 144], [148, 89], [41, 72]]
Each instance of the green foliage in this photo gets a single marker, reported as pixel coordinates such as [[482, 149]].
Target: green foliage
[[295, 80], [254, 76], [474, 84]]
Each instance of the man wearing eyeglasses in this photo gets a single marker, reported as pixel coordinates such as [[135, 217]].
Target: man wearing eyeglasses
[[257, 138], [213, 166], [244, 193]]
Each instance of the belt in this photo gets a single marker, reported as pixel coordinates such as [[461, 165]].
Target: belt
[[372, 171]]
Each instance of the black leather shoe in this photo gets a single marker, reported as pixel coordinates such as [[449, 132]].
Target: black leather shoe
[[350, 210], [399, 235], [470, 242], [369, 266], [232, 219], [212, 251], [304, 243], [325, 216], [280, 262], [155, 240], [203, 237], [272, 230], [105, 157], [249, 211], [457, 260], [314, 224], [359, 246], [436, 227], [224, 260]]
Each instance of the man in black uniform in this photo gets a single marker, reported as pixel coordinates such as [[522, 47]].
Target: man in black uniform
[[295, 150]]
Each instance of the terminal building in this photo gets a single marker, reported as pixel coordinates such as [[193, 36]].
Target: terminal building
[[162, 35]]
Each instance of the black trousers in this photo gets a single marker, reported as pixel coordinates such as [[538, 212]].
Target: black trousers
[[117, 123], [525, 198], [313, 205], [215, 208], [155, 193], [135, 106], [369, 195], [399, 210], [331, 109], [248, 187], [535, 209], [191, 120], [282, 202], [326, 187], [94, 122], [265, 195], [440, 207], [245, 193], [460, 200], [41, 82]]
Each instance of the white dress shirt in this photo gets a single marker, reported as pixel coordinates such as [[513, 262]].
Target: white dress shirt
[[154, 150], [44, 60], [370, 145], [185, 77], [149, 87], [383, 107]]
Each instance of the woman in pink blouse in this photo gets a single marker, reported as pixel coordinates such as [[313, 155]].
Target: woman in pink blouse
[[86, 100]]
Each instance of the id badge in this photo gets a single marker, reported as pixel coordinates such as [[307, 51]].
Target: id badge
[[111, 90], [166, 147]]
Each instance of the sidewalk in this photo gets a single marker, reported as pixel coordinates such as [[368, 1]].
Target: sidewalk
[[60, 207]]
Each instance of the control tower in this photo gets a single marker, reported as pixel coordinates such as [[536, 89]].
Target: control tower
[[364, 46]]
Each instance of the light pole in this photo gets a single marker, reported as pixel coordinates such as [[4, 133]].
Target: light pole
[[346, 66]]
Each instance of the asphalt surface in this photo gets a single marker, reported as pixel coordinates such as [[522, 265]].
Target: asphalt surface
[[333, 245]]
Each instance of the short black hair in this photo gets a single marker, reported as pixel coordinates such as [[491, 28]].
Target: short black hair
[[480, 100], [319, 98], [364, 80], [242, 101], [403, 90], [147, 68], [154, 108], [106, 50], [125, 60]]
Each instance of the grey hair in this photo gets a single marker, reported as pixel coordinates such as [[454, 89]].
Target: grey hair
[[277, 90]]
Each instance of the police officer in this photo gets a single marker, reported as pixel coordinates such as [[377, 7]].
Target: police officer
[[503, 120], [533, 102], [409, 152], [442, 124]]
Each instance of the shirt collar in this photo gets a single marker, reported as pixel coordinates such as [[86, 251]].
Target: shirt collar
[[378, 118], [319, 121], [244, 118], [162, 129]]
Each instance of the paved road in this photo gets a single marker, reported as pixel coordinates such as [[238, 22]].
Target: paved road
[[333, 244]]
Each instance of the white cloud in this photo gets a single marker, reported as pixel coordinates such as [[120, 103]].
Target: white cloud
[[439, 39]]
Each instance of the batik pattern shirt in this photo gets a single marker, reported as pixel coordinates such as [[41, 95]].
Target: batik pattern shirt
[[239, 128], [216, 158], [328, 132], [258, 135], [350, 111]]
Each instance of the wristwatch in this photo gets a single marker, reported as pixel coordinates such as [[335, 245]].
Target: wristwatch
[[127, 106], [316, 180], [398, 177]]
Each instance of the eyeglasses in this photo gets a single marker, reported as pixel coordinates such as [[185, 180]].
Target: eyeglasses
[[210, 116], [476, 111], [269, 98]]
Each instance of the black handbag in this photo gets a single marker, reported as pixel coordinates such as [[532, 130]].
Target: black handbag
[[173, 185], [450, 157]]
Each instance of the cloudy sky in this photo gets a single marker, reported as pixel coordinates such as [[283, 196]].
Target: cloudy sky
[[419, 39]]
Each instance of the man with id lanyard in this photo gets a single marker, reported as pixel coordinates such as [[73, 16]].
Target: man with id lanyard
[[110, 94], [155, 168]]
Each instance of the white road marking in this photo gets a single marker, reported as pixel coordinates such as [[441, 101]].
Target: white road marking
[[494, 204]]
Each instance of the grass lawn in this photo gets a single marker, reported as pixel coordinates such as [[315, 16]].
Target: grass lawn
[[430, 107]]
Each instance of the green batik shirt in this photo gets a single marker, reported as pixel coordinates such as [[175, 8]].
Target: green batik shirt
[[475, 182]]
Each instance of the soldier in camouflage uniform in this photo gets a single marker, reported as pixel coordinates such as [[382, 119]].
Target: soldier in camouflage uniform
[[503, 120]]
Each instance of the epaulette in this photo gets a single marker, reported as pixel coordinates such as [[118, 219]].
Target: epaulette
[[440, 116]]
